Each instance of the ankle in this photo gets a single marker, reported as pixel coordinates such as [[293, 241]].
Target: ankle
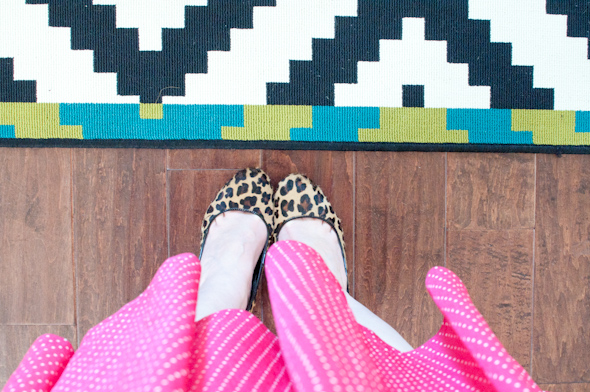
[[234, 242], [221, 292], [231, 250], [320, 236]]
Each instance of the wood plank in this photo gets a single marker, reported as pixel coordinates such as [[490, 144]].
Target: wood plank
[[36, 237], [490, 191], [15, 340], [400, 209], [333, 172], [561, 349], [569, 387], [213, 159], [120, 227], [191, 192], [497, 269]]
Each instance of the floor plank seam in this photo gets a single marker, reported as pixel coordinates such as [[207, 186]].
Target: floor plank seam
[[209, 169], [533, 269], [480, 230], [566, 383], [445, 223], [36, 325], [74, 255], [168, 210], [353, 224], [73, 239]]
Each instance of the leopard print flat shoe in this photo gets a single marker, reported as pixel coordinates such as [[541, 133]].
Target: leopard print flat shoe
[[248, 191], [298, 197]]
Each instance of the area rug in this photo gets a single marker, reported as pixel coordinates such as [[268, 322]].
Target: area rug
[[444, 75]]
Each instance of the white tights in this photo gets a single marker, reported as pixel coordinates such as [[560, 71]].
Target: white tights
[[370, 320]]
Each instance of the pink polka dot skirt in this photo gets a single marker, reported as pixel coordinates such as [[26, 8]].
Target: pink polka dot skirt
[[153, 344]]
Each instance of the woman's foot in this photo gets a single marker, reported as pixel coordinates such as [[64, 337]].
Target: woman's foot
[[234, 243], [322, 238]]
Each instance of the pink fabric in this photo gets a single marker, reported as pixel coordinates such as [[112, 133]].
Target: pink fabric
[[326, 350], [42, 366], [153, 344]]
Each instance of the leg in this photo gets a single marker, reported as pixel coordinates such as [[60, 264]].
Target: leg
[[320, 236], [370, 320], [233, 245]]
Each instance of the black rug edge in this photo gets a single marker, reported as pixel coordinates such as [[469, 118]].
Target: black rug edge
[[290, 145]]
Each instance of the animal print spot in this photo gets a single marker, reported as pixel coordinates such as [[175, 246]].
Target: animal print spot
[[221, 206], [240, 176], [263, 180], [304, 205], [254, 172], [319, 198], [229, 192], [265, 197], [286, 207], [268, 211], [219, 196], [300, 185], [287, 187], [233, 205], [242, 189], [256, 189], [210, 209], [249, 202]]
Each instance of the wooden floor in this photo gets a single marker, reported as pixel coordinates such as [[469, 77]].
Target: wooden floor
[[82, 232]]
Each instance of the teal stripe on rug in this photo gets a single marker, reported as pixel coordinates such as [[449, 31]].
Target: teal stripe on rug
[[582, 121], [122, 121], [7, 132], [487, 126], [337, 124]]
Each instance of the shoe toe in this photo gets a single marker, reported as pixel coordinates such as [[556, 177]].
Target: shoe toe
[[248, 190]]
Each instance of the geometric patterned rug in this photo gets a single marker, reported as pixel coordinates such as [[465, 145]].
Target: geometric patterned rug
[[445, 75]]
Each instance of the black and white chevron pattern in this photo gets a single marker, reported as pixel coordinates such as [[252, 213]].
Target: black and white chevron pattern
[[528, 54]]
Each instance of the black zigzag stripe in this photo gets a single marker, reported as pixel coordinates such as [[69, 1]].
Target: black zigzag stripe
[[578, 16], [15, 91], [151, 74], [335, 60], [357, 39]]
